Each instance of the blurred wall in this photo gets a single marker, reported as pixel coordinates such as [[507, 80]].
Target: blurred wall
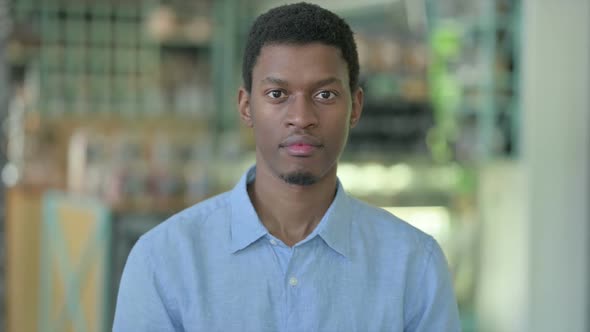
[[535, 210], [503, 283], [556, 147]]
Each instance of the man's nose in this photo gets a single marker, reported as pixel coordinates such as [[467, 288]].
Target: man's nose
[[301, 113]]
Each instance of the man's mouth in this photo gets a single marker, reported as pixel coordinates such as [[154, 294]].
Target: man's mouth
[[300, 145], [300, 149]]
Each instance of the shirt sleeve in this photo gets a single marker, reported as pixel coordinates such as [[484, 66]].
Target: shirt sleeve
[[433, 306], [140, 304]]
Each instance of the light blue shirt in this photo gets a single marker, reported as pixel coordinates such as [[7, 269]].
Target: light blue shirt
[[215, 267]]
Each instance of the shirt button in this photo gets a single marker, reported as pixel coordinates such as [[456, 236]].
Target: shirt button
[[293, 281], [273, 242]]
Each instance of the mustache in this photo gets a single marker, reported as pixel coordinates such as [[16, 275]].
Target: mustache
[[301, 139]]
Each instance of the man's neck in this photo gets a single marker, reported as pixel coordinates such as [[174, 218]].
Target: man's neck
[[290, 212]]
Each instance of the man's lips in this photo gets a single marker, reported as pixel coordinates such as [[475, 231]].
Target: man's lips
[[300, 150], [300, 145]]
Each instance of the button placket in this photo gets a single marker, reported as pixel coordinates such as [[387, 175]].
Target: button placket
[[294, 283], [293, 280]]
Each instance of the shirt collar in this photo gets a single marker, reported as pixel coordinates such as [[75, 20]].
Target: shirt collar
[[246, 227], [335, 226]]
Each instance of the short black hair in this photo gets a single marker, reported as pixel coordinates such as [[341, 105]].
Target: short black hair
[[300, 23]]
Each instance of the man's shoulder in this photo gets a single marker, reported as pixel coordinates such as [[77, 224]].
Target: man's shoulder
[[212, 212]]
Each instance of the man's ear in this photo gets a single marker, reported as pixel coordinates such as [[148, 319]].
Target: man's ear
[[244, 107], [357, 106]]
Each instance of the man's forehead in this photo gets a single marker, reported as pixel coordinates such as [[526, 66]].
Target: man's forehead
[[277, 80], [327, 60]]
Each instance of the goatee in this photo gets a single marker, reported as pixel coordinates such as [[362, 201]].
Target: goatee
[[299, 178]]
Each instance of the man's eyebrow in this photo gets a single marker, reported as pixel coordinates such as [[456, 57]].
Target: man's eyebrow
[[328, 81]]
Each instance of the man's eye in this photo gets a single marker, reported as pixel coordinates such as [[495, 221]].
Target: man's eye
[[326, 95], [275, 94]]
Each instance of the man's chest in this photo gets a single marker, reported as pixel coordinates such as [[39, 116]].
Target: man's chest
[[314, 290]]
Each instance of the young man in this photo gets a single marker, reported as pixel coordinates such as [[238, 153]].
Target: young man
[[287, 249]]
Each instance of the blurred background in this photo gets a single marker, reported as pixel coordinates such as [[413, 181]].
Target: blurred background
[[116, 114]]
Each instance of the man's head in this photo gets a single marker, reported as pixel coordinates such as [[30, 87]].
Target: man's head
[[299, 24], [300, 92]]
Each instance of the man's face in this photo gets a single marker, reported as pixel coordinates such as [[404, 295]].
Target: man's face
[[301, 109]]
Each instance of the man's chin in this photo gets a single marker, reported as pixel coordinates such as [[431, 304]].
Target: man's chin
[[299, 178]]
